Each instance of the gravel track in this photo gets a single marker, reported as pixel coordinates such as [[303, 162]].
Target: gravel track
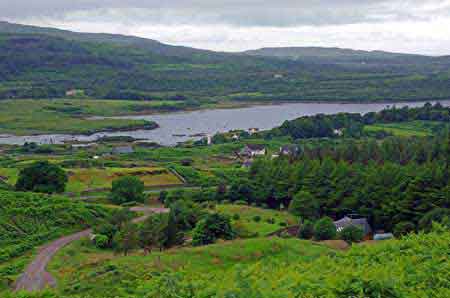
[[35, 277]]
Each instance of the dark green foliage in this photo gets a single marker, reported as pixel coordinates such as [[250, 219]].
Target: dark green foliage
[[120, 217], [303, 204], [185, 214], [127, 189], [324, 229], [257, 218], [306, 230], [236, 216], [108, 230], [403, 228], [212, 227], [351, 125], [163, 196], [351, 234], [154, 232], [101, 241], [382, 181], [126, 238], [438, 215], [42, 176]]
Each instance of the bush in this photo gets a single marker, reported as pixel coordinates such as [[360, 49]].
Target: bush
[[436, 215], [256, 218], [108, 230], [403, 228], [324, 229], [101, 241], [42, 176], [283, 224], [211, 228], [306, 230], [270, 220], [127, 189], [352, 234], [236, 216], [187, 162]]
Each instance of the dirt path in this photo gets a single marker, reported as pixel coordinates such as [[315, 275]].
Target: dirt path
[[35, 276]]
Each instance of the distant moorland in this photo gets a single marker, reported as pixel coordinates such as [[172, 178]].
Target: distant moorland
[[46, 63]]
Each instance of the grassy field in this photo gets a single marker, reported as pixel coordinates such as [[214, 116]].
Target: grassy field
[[269, 220], [100, 178], [82, 269], [415, 266], [25, 117], [94, 178], [406, 129]]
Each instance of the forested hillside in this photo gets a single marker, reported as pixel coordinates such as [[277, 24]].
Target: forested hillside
[[42, 62]]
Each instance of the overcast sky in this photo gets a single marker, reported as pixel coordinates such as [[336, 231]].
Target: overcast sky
[[415, 26]]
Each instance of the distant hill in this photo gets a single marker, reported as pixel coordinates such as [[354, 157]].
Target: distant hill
[[116, 39], [45, 63], [339, 55]]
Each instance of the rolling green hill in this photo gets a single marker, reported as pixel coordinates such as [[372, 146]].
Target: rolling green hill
[[45, 63]]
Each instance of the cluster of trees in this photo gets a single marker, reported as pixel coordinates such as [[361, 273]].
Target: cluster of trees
[[352, 124], [162, 230], [42, 176], [398, 184]]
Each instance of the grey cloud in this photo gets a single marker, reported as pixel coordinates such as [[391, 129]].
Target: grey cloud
[[245, 13]]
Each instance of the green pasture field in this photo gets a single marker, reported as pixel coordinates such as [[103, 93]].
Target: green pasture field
[[262, 227], [27, 117], [406, 129]]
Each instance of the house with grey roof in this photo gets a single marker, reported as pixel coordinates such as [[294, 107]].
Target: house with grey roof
[[350, 221]]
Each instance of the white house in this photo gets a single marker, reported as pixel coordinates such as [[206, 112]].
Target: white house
[[253, 150]]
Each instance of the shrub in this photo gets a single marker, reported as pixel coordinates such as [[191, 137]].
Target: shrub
[[127, 189], [256, 218], [352, 234], [306, 230], [270, 220], [101, 241], [436, 215], [236, 216], [187, 162], [211, 228], [403, 228], [42, 176], [282, 224], [324, 229]]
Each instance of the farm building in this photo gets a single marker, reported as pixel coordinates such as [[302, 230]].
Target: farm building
[[350, 221], [252, 150]]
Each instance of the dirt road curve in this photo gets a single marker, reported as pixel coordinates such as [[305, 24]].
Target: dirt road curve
[[37, 278]]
